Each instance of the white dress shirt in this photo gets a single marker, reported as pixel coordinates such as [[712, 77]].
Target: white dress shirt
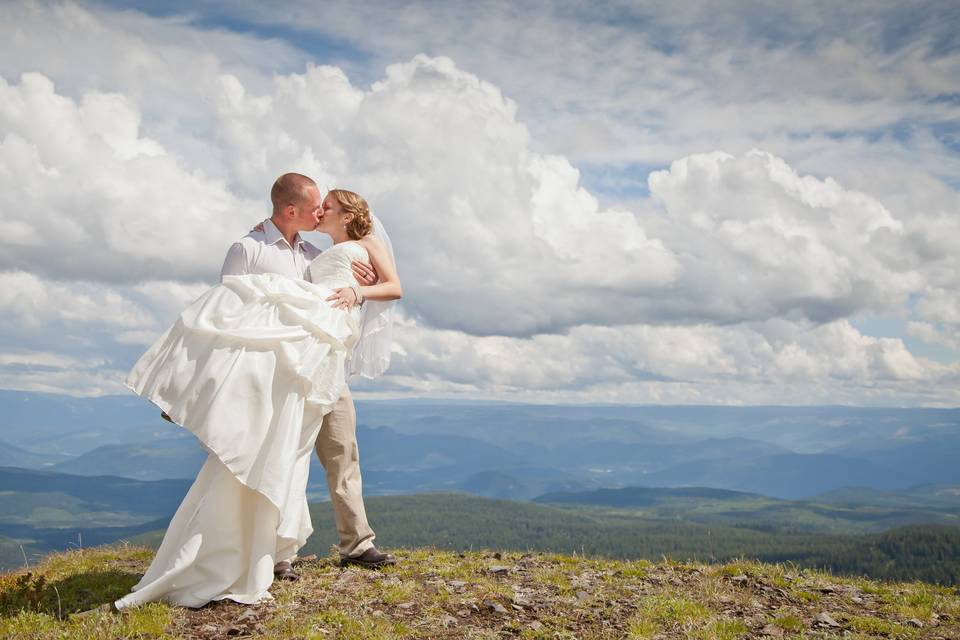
[[268, 251]]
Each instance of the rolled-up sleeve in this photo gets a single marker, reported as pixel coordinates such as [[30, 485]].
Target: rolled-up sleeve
[[235, 264]]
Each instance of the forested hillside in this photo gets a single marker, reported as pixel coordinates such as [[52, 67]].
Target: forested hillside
[[458, 522]]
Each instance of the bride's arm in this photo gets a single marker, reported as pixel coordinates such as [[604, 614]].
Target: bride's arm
[[388, 287]]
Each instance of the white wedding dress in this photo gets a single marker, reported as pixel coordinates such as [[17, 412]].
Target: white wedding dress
[[250, 367]]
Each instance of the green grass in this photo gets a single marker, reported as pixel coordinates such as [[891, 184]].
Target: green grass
[[398, 593], [72, 581], [336, 623], [789, 622], [433, 593], [638, 569], [722, 630], [150, 621], [669, 611], [806, 596], [878, 626]]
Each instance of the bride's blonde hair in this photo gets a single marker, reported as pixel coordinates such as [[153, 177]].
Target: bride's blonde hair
[[354, 203]]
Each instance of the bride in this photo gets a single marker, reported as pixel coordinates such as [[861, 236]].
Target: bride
[[251, 367]]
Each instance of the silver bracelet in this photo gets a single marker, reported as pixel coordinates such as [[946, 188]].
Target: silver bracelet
[[356, 292]]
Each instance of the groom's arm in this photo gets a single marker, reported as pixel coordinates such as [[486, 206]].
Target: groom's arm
[[235, 264]]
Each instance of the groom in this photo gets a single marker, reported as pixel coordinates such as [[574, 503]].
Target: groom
[[278, 248]]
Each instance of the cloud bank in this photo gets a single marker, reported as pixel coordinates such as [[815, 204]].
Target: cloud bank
[[738, 276]]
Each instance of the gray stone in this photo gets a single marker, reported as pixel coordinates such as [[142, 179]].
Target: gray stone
[[104, 608], [825, 619], [495, 606], [249, 614], [304, 560]]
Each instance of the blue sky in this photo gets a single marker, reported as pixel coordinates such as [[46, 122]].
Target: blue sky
[[622, 202]]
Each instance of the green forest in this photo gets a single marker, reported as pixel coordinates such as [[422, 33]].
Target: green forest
[[460, 522]]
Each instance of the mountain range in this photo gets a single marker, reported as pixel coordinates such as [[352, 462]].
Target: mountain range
[[522, 451]]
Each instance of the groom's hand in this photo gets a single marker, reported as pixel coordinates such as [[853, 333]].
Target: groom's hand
[[365, 273], [343, 298]]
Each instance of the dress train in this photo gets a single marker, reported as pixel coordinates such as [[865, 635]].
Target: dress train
[[250, 367]]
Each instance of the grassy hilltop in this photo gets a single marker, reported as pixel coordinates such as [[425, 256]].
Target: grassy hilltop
[[444, 594]]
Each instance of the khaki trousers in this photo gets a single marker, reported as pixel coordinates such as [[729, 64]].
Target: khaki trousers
[[340, 456]]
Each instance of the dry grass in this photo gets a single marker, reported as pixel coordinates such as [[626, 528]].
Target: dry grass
[[440, 594]]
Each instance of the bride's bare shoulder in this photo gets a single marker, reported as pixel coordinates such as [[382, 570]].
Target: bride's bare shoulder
[[372, 242]]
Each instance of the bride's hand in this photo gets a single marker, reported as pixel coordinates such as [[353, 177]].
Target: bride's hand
[[343, 298], [259, 228]]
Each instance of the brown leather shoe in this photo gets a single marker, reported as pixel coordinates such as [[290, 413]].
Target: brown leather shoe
[[369, 559], [283, 570]]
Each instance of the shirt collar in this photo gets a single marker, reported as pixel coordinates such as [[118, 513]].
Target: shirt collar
[[272, 234]]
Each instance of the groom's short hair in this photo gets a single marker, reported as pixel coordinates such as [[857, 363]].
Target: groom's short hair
[[290, 188]]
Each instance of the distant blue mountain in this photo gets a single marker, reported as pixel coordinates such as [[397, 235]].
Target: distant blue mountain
[[156, 460], [927, 458], [150, 499], [641, 496], [781, 476], [522, 484], [518, 451], [50, 424], [13, 456], [938, 496]]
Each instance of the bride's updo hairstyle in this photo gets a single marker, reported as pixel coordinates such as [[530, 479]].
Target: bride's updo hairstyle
[[353, 203]]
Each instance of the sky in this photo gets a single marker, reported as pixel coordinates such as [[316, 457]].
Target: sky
[[619, 202]]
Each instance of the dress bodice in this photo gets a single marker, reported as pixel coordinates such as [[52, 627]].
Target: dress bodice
[[332, 268]]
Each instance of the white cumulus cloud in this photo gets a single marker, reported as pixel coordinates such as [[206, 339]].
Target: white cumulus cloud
[[758, 240], [107, 203], [32, 303], [128, 166], [491, 236]]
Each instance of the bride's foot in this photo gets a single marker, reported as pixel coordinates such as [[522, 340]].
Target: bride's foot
[[283, 570]]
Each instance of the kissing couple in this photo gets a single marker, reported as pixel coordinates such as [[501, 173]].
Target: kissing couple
[[257, 369]]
